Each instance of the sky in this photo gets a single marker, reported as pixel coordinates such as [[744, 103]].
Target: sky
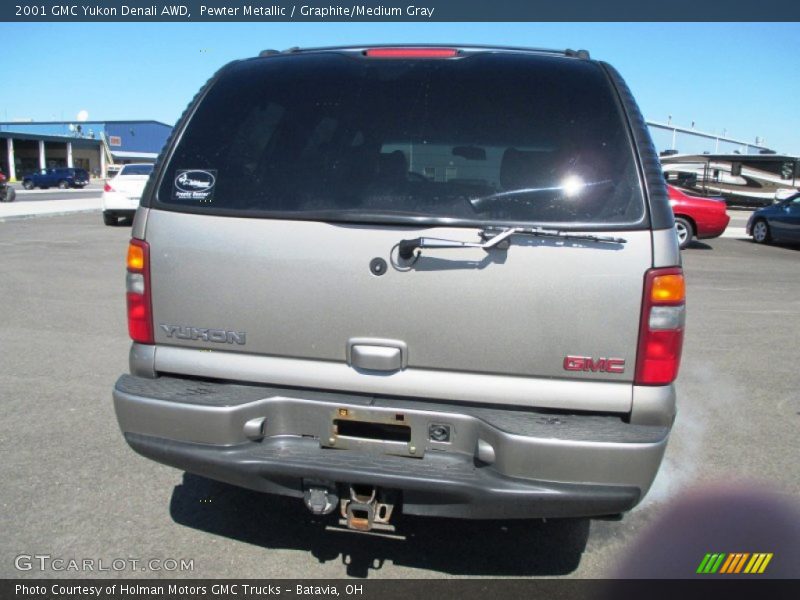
[[737, 78]]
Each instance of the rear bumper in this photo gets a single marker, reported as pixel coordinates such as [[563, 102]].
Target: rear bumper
[[498, 463], [712, 226], [115, 202], [437, 485], [119, 212]]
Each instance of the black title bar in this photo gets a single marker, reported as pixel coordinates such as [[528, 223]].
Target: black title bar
[[393, 10], [397, 589]]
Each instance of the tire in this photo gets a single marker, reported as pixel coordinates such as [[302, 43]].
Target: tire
[[685, 231], [761, 232], [28, 184], [110, 219], [9, 195], [62, 185]]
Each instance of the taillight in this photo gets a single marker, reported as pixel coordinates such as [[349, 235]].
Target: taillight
[[411, 52], [661, 328], [107, 188], [137, 287]]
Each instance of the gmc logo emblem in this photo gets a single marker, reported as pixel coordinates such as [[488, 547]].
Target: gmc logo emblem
[[587, 363]]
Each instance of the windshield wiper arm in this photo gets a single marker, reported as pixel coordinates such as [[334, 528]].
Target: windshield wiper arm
[[491, 234], [405, 249], [493, 238]]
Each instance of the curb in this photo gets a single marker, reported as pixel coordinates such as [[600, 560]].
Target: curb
[[50, 214]]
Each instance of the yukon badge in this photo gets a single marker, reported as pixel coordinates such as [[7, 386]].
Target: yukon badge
[[221, 336], [587, 363]]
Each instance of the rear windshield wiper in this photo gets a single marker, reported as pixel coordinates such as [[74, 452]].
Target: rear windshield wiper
[[491, 234], [499, 237]]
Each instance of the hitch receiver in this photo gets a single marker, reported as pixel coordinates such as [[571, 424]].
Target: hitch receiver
[[367, 508]]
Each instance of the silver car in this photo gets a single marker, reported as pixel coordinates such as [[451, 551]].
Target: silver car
[[437, 280]]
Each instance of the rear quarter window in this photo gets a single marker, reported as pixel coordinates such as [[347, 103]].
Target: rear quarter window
[[136, 170]]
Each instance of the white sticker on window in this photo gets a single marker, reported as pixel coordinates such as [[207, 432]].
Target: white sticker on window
[[195, 184]]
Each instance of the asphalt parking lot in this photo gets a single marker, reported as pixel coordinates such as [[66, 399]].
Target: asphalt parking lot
[[73, 489]]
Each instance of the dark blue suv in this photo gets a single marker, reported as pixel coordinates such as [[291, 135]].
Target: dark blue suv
[[60, 177]]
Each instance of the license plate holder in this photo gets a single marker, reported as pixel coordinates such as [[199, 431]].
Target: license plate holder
[[372, 430]]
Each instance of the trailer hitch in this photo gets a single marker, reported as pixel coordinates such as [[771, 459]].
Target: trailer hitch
[[367, 508]]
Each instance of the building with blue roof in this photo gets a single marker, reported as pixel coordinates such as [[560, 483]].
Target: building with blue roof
[[96, 146]]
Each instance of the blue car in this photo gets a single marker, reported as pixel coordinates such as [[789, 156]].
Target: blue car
[[777, 223], [61, 177]]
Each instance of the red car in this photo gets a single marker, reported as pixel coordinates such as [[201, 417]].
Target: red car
[[697, 217]]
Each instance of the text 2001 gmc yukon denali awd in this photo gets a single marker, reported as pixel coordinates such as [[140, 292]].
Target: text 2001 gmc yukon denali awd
[[431, 279]]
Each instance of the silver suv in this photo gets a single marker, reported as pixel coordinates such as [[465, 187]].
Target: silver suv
[[437, 280]]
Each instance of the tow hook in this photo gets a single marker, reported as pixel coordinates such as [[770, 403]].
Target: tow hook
[[367, 509]]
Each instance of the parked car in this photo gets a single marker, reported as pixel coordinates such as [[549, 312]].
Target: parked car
[[431, 281], [62, 178], [702, 218], [121, 193], [7, 193], [777, 223]]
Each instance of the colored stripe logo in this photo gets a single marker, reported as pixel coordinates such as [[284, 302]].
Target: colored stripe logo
[[734, 563]]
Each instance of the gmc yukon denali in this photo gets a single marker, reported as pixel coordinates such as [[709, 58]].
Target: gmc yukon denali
[[442, 281]]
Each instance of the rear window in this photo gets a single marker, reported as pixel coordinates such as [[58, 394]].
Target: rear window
[[507, 138], [136, 170]]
